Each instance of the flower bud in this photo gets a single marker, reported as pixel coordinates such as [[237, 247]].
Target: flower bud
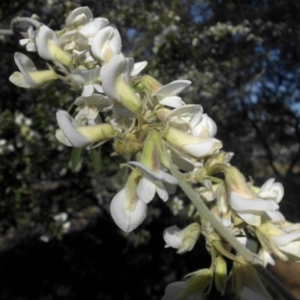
[[220, 274], [199, 281], [237, 183], [150, 83]]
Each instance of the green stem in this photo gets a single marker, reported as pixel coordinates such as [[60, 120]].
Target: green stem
[[206, 214], [250, 257]]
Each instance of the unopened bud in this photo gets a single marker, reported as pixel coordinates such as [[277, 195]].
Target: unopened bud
[[128, 97], [150, 83], [220, 274], [237, 183]]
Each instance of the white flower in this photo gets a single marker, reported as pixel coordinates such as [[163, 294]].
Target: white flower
[[166, 95], [271, 190], [48, 48], [205, 128], [106, 43], [184, 240], [79, 16], [253, 210], [88, 79], [138, 67], [71, 134], [127, 210], [68, 135], [190, 119], [173, 237], [185, 117], [194, 146], [72, 40], [115, 77], [90, 29], [30, 77], [159, 182], [89, 108], [85, 58]]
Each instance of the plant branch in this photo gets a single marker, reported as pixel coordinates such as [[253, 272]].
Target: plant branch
[[249, 256]]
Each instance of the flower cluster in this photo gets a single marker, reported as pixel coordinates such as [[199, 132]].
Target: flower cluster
[[152, 123]]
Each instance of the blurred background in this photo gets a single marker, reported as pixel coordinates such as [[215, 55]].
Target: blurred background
[[57, 239]]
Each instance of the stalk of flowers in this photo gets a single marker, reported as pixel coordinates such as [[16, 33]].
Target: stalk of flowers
[[154, 125]]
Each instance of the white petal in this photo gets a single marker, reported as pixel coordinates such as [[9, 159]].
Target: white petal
[[44, 36], [274, 215], [88, 90], [98, 87], [161, 191], [138, 67], [250, 218], [242, 240], [266, 257], [287, 238], [31, 46], [172, 238], [292, 249], [205, 128], [113, 69], [74, 14], [204, 148], [86, 76], [190, 113], [66, 124], [172, 101], [26, 65], [23, 41], [146, 190], [106, 37], [267, 185], [278, 188], [75, 36], [166, 177], [102, 103], [59, 134], [173, 88], [125, 219], [92, 28], [18, 79], [241, 204]]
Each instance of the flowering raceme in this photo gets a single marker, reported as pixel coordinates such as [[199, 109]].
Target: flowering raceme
[[161, 133]]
